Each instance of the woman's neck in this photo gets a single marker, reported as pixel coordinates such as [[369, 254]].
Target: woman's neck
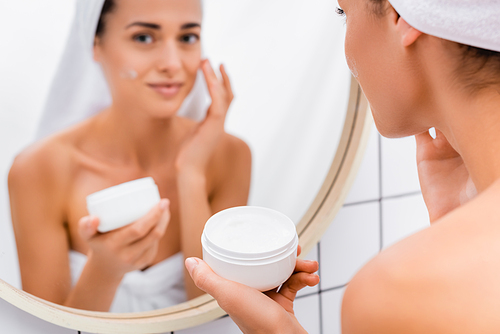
[[472, 126], [138, 138]]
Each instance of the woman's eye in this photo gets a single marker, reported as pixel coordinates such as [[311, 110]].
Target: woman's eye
[[340, 11], [190, 38], [144, 39]]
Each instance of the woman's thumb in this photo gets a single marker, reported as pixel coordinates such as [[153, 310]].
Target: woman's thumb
[[87, 227], [204, 277]]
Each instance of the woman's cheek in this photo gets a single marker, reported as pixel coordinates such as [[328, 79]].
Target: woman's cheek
[[349, 54]]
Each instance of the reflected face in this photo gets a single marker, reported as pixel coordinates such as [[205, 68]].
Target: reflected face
[[150, 53], [378, 60]]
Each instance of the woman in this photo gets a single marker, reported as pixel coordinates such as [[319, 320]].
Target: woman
[[150, 54], [421, 64]]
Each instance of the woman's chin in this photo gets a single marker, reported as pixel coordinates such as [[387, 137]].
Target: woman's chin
[[164, 110]]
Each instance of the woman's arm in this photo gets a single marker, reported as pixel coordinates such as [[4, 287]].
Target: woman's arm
[[210, 151], [196, 207], [38, 188]]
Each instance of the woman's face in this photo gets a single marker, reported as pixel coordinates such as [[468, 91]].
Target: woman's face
[[150, 53], [390, 78]]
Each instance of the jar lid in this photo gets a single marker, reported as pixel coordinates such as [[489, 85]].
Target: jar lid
[[249, 233], [121, 189]]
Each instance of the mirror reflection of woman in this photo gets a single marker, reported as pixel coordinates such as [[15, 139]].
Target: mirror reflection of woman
[[421, 64], [150, 53]]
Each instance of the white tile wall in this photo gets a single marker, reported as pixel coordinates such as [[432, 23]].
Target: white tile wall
[[399, 168], [331, 305], [352, 239], [402, 217], [366, 187], [307, 311]]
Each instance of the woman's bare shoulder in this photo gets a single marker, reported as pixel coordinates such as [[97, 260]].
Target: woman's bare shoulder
[[232, 146], [442, 279], [45, 162]]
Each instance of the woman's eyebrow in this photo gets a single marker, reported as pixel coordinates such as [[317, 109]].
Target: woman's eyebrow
[[145, 24], [190, 25]]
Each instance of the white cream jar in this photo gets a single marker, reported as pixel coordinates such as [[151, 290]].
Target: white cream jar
[[251, 245], [123, 204]]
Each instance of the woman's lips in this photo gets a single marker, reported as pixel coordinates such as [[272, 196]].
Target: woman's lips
[[166, 90]]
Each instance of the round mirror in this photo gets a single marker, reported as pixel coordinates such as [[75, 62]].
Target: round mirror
[[296, 106]]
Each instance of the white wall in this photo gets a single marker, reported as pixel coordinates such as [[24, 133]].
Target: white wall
[[35, 32]]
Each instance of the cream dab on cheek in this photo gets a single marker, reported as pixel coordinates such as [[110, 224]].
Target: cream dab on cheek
[[128, 74]]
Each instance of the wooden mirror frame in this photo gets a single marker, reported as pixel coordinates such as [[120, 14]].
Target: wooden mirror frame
[[311, 228]]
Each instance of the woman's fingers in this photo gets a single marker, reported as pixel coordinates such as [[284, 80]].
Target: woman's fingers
[[208, 71], [204, 277], [155, 234], [296, 283], [306, 266], [303, 276], [423, 138], [141, 253], [220, 91], [87, 227], [227, 83], [212, 81], [251, 310], [142, 227]]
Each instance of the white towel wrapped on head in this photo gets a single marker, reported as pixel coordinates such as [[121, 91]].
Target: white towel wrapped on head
[[470, 22], [79, 89]]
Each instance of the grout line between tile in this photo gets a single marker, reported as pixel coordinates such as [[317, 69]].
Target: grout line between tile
[[307, 295], [334, 288], [369, 201], [413, 193], [361, 202]]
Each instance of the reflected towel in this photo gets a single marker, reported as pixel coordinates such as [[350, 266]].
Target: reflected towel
[[155, 288], [470, 22]]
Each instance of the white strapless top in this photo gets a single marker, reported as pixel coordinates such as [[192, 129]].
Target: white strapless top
[[155, 288]]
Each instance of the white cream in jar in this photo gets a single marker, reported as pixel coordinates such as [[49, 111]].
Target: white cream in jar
[[251, 245]]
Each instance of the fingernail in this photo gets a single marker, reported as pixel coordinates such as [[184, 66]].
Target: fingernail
[[191, 263], [164, 204], [85, 220]]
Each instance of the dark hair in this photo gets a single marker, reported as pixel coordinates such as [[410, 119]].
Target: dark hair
[[108, 7], [480, 67]]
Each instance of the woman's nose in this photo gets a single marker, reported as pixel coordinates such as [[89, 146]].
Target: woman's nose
[[170, 61]]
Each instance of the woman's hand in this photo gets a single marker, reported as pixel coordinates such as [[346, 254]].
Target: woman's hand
[[251, 310], [444, 179], [133, 247], [199, 147]]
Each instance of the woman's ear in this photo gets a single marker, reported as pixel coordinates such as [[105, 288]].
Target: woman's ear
[[97, 49], [408, 34]]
